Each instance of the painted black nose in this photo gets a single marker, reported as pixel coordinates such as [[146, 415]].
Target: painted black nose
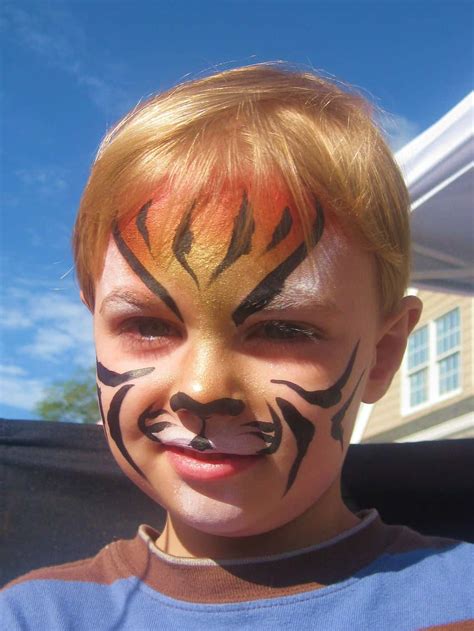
[[201, 443], [225, 406]]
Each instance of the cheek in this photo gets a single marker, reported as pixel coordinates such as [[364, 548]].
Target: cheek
[[310, 454], [146, 393], [315, 436], [136, 455], [307, 431], [121, 408]]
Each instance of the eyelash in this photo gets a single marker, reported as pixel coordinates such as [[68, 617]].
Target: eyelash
[[141, 333], [286, 332], [137, 337]]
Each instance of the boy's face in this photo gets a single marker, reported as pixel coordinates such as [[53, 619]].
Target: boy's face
[[231, 362]]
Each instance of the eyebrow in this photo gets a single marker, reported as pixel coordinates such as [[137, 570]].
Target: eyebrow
[[122, 297], [298, 298]]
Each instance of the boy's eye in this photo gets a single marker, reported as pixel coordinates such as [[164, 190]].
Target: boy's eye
[[149, 329], [287, 331]]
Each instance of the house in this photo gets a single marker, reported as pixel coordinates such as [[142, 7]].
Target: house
[[432, 396]]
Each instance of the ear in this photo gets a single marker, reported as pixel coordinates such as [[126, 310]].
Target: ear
[[84, 302], [390, 347]]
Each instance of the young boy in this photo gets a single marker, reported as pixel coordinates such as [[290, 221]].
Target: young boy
[[243, 244]]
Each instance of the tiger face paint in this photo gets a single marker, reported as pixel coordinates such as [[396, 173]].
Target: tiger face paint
[[208, 250], [231, 360]]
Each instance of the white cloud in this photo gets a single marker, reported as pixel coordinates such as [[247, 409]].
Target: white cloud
[[47, 334], [54, 326], [45, 180], [10, 369], [13, 318], [17, 389], [21, 392], [49, 343], [56, 36], [398, 129], [63, 325]]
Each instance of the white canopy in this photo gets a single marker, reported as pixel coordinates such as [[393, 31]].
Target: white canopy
[[438, 167]]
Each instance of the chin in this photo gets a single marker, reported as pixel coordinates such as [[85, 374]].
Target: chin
[[222, 517], [226, 517]]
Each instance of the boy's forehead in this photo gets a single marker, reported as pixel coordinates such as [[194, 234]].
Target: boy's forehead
[[168, 224], [313, 283], [225, 250], [211, 242]]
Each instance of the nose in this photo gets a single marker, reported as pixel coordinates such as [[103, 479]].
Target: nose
[[207, 386], [225, 406]]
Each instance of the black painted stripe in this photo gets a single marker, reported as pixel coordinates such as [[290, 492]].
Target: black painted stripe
[[149, 280], [263, 426], [303, 431], [112, 378], [241, 238], [113, 422], [101, 410], [183, 241], [324, 398], [141, 222], [282, 230], [149, 430], [337, 431], [277, 433], [273, 283]]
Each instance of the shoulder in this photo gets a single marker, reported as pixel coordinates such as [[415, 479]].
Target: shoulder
[[414, 553], [96, 568], [428, 578], [411, 545], [47, 597]]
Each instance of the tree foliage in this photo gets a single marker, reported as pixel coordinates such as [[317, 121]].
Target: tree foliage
[[73, 400]]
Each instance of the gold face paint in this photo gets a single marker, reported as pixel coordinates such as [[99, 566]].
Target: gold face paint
[[220, 252]]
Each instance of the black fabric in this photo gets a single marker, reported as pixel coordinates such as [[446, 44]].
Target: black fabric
[[63, 497]]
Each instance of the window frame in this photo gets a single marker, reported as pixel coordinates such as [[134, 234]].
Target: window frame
[[432, 365]]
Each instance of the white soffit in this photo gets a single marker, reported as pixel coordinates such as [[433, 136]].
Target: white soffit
[[438, 166], [442, 431]]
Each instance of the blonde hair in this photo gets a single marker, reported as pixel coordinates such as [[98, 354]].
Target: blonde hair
[[255, 125]]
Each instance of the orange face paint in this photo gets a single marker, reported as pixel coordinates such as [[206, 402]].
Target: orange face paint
[[222, 250]]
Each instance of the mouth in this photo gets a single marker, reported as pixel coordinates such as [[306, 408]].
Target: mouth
[[197, 465], [204, 456]]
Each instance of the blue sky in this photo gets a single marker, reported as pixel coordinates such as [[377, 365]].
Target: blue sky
[[70, 69]]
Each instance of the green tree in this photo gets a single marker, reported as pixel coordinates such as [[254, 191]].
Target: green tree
[[73, 399]]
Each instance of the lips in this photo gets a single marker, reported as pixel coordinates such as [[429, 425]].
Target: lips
[[193, 465], [204, 456]]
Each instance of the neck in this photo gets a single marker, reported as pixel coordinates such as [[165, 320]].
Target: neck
[[324, 520]]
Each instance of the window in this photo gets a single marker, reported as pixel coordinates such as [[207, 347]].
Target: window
[[432, 367], [448, 339], [418, 367]]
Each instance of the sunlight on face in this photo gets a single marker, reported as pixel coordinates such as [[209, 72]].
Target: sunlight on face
[[231, 361]]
